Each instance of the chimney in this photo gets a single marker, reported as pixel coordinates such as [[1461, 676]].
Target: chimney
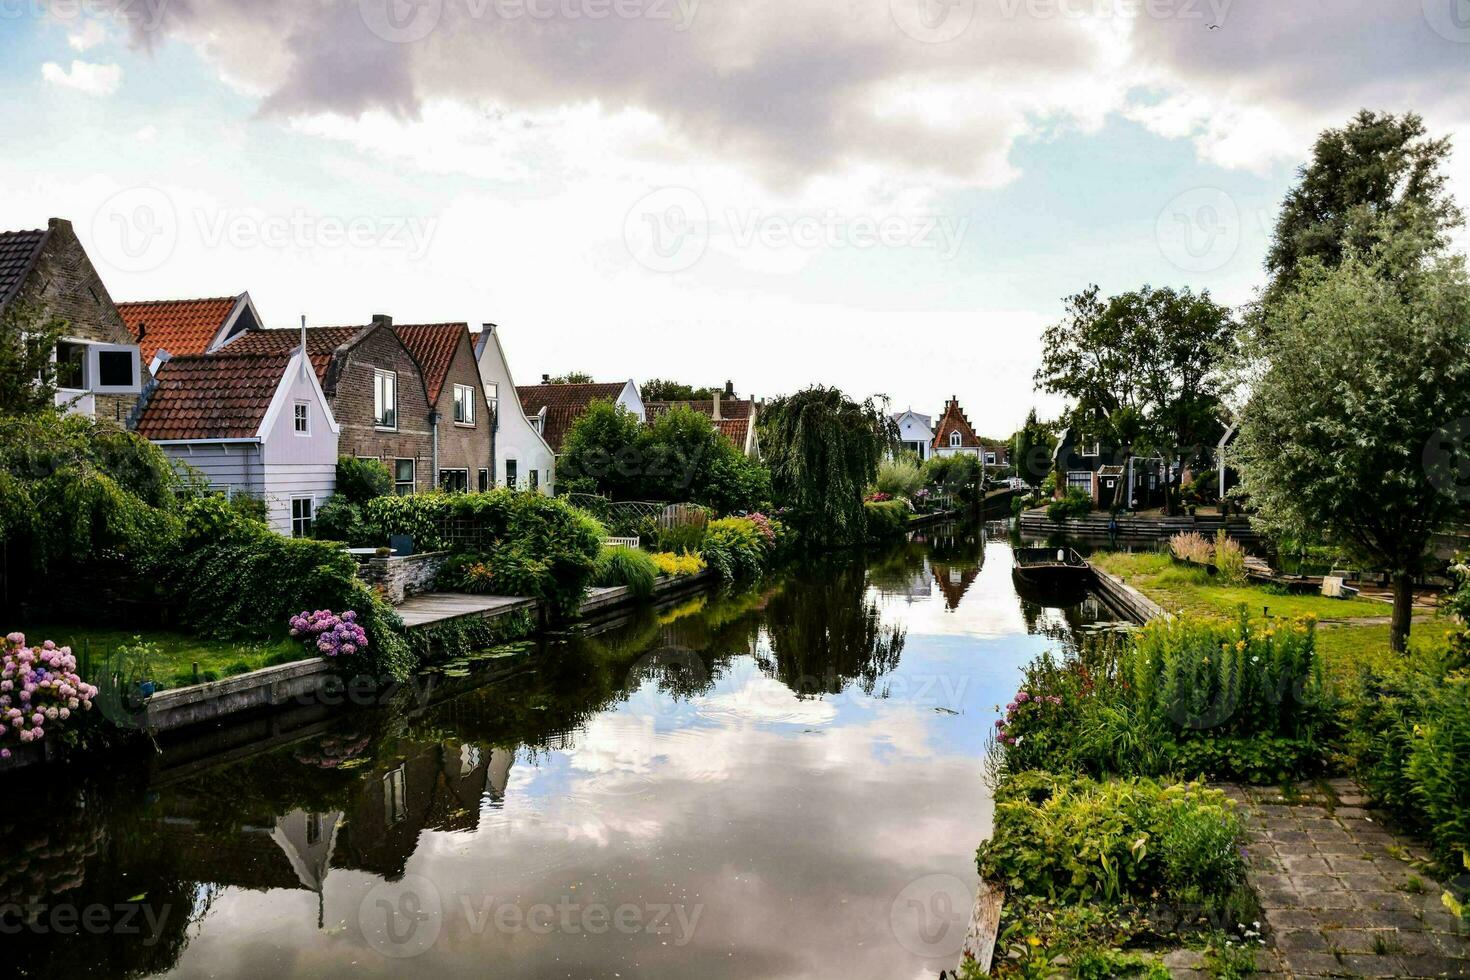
[[546, 379], [382, 318], [717, 407], [729, 389], [488, 327]]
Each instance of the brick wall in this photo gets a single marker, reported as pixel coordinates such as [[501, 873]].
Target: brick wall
[[349, 388], [65, 283], [463, 447]]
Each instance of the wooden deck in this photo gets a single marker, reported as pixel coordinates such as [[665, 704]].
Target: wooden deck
[[438, 607]]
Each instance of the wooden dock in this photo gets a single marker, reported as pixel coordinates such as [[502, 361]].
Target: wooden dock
[[432, 608]]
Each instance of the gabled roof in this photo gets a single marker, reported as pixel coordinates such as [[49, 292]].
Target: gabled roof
[[179, 326], [223, 395], [734, 421], [954, 420], [560, 405], [433, 345], [18, 253], [322, 343]]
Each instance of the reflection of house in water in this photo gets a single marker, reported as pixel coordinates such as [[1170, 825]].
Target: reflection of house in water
[[954, 581]]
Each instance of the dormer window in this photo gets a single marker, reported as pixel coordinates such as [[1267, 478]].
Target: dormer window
[[103, 369]]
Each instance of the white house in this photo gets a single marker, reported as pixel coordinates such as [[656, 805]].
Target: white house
[[915, 433], [520, 450], [251, 423]]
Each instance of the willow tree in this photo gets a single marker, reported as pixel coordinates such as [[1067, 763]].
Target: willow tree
[[823, 450], [1356, 426]]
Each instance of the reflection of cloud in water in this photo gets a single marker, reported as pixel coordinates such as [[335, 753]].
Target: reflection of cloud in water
[[760, 699]]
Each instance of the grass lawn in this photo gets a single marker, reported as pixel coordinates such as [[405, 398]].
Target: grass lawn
[[172, 665]]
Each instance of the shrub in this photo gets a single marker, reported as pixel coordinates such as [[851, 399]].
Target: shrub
[[360, 480], [1076, 503], [899, 478], [886, 519], [678, 565], [682, 530], [736, 548], [39, 690], [1073, 840], [1193, 547], [627, 567], [328, 634], [339, 520], [1229, 560]]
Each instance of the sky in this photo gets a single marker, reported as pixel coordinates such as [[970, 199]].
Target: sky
[[889, 196]]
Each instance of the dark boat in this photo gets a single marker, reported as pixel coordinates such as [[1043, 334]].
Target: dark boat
[[1052, 569]]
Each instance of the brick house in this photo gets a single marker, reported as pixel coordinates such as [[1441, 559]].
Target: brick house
[[376, 391], [100, 371], [954, 436], [461, 420]]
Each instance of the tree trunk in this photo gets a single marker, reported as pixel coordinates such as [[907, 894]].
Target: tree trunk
[[1403, 612]]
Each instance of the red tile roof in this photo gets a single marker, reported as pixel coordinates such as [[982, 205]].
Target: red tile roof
[[735, 415], [954, 420], [179, 326], [564, 404], [212, 396], [433, 345], [18, 251], [321, 344]]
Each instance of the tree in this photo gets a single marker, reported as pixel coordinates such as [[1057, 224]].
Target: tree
[[1032, 446], [28, 339], [1354, 429], [823, 449], [571, 378], [600, 453], [664, 390], [1377, 172]]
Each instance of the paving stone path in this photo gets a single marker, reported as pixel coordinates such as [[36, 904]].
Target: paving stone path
[[1343, 894]]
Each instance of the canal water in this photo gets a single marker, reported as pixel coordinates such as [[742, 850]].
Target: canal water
[[781, 782]]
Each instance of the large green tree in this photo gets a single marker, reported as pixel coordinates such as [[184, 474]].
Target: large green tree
[[28, 339], [1377, 173], [1032, 446], [665, 390], [1356, 423], [823, 449]]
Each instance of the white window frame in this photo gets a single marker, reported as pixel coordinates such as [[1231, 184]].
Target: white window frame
[[381, 375], [512, 473], [990, 459], [955, 439], [412, 481], [464, 406], [1086, 475], [297, 530], [93, 379], [1092, 451], [301, 417]]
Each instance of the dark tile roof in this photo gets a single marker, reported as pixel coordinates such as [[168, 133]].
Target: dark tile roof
[[321, 344], [18, 251], [213, 396], [179, 326], [564, 404], [433, 345]]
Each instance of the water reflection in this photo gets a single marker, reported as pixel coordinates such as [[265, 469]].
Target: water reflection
[[762, 773]]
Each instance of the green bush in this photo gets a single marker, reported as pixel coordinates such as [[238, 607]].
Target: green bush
[[1076, 503], [628, 567], [1073, 840], [360, 480], [340, 520], [736, 548], [886, 519], [899, 478]]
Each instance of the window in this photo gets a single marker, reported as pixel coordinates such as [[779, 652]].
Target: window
[[117, 368], [385, 399], [302, 418], [301, 514], [464, 405], [403, 476], [484, 483], [535, 479], [71, 361], [1093, 450], [492, 399], [1080, 479], [990, 459], [510, 473], [954, 439], [454, 481]]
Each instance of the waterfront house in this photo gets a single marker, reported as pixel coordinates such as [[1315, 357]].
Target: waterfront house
[[1102, 472], [460, 422], [552, 408], [100, 372], [251, 422], [954, 436], [522, 458], [734, 417], [376, 391], [187, 326], [915, 433]]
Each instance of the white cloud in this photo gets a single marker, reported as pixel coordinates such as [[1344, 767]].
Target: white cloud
[[84, 76], [88, 36]]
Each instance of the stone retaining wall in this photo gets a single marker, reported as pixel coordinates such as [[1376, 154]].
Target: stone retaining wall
[[398, 577]]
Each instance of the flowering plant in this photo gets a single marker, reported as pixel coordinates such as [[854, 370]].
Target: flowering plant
[[38, 686], [878, 497], [328, 633], [763, 525]]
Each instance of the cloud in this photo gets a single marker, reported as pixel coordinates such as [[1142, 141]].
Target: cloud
[[84, 76], [88, 36]]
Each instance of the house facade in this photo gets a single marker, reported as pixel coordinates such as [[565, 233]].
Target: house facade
[[461, 425], [251, 423], [100, 371], [552, 408], [954, 436], [1105, 473], [915, 433], [518, 446], [734, 417], [376, 391]]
